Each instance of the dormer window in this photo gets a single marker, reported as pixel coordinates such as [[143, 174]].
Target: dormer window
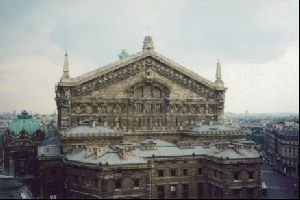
[[148, 146]]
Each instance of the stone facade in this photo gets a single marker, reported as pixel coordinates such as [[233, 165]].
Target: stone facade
[[144, 92], [146, 127], [167, 171], [282, 145]]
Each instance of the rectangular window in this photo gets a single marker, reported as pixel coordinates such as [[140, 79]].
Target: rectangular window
[[95, 182], [200, 191], [75, 179], [83, 179], [118, 184], [173, 190], [251, 175], [53, 172], [160, 172], [215, 173], [219, 193], [161, 192], [173, 172], [236, 175], [236, 193], [250, 193], [21, 167], [184, 172], [136, 183], [199, 171], [185, 191]]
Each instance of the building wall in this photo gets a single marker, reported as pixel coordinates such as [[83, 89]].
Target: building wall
[[137, 103], [100, 182], [214, 180], [50, 177], [284, 153], [78, 143]]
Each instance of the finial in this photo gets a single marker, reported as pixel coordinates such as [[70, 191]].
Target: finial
[[148, 44], [219, 74], [66, 66]]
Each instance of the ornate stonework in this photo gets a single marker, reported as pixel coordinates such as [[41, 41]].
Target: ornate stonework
[[142, 92]]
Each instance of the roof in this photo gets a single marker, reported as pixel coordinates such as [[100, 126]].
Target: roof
[[9, 183], [285, 133], [231, 153], [12, 188], [85, 130], [24, 122], [51, 141], [212, 128], [158, 142], [133, 58], [163, 149], [111, 157]]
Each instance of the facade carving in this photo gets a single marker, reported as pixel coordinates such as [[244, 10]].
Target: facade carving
[[143, 94]]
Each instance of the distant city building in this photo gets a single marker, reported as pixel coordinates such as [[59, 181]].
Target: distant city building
[[23, 144], [282, 145]]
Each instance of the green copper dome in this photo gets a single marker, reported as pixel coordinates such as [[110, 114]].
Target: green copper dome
[[24, 122]]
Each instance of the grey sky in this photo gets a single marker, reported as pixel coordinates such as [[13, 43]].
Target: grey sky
[[257, 43]]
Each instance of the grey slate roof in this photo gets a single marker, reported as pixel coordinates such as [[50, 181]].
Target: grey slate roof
[[158, 142], [205, 128], [111, 157], [51, 141], [231, 153], [163, 149], [14, 189], [85, 130], [10, 183]]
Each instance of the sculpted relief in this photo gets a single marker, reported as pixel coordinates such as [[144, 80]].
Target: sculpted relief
[[147, 100], [145, 64]]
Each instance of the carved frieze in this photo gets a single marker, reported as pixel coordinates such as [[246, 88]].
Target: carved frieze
[[144, 64], [62, 102]]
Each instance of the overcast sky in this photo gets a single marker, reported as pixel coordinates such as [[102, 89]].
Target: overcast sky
[[257, 43]]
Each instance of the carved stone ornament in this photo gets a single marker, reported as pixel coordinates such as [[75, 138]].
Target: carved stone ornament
[[147, 63]]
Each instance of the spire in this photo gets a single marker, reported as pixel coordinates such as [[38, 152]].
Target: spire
[[148, 44], [219, 74], [66, 67]]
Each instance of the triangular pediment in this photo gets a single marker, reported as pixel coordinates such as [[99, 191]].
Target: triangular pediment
[[148, 60]]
